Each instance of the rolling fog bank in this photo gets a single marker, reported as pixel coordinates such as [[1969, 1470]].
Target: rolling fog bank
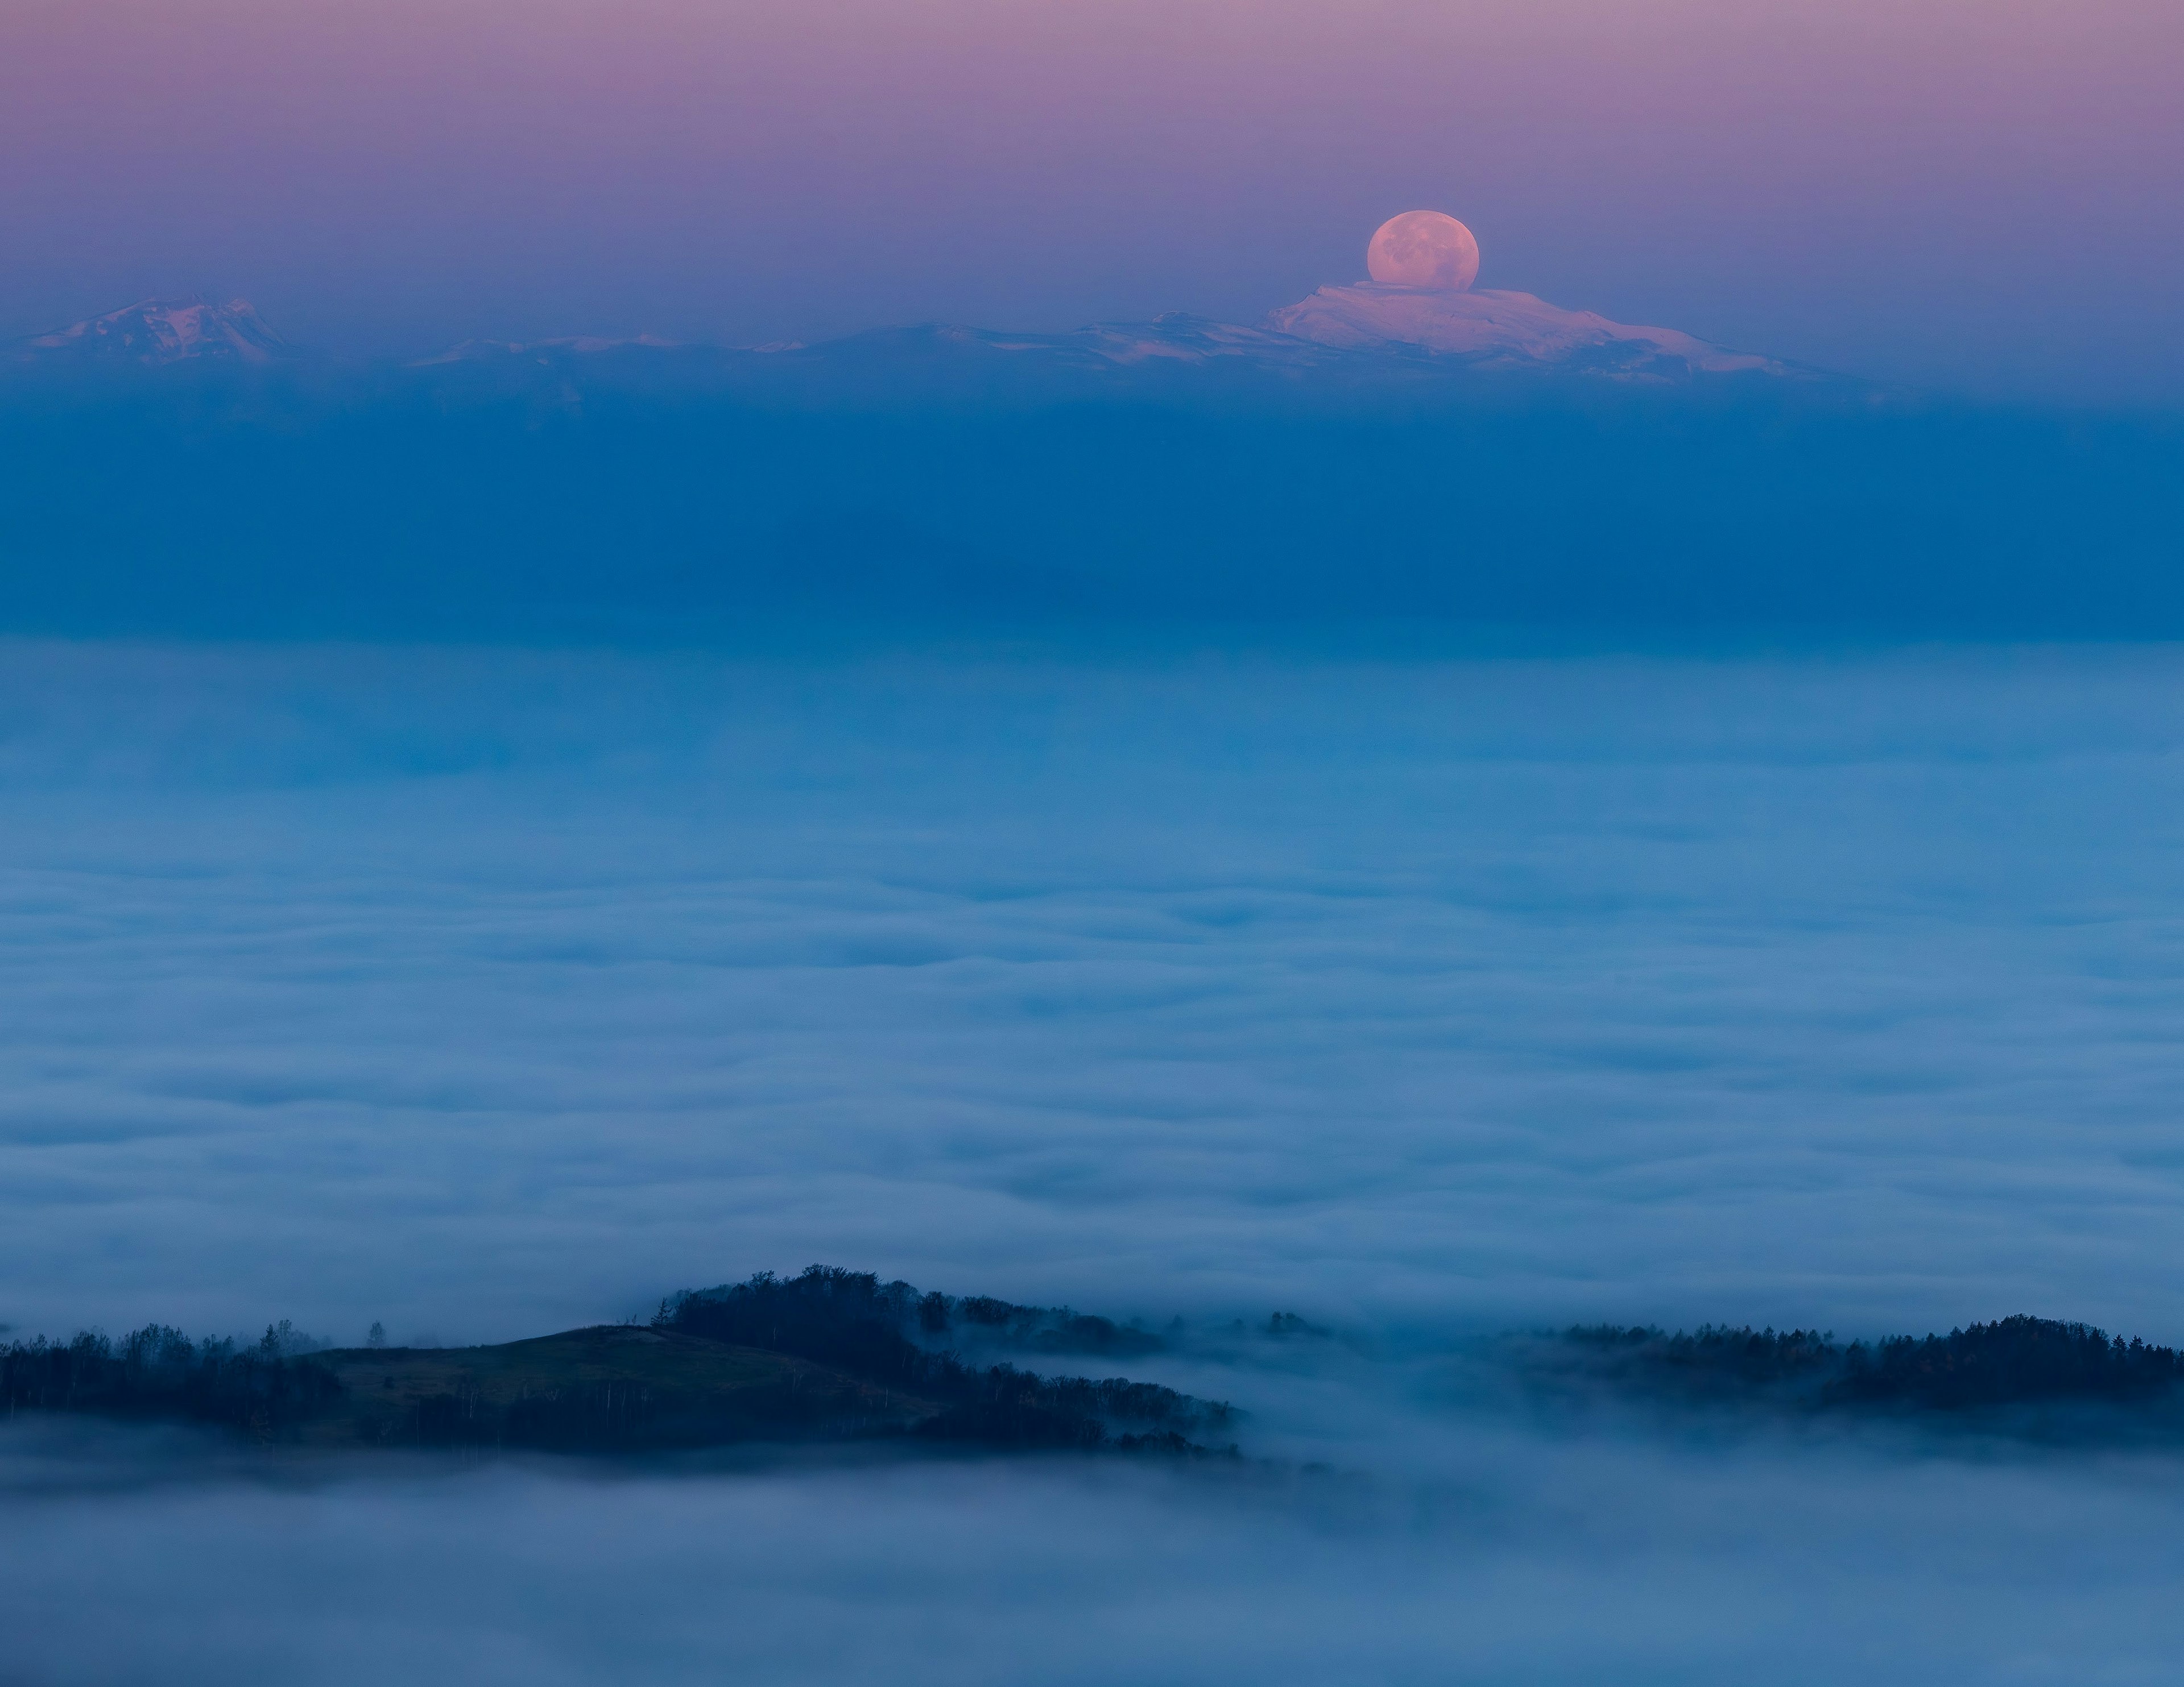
[[1424, 996], [486, 995]]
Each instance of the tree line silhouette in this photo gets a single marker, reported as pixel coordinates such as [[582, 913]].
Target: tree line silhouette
[[2012, 1362], [265, 1389], [894, 1363]]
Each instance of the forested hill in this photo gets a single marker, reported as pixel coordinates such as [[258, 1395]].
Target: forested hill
[[892, 1335], [2036, 1374], [853, 1318], [835, 1355], [823, 1356]]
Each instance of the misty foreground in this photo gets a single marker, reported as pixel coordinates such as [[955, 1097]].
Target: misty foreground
[[826, 1356]]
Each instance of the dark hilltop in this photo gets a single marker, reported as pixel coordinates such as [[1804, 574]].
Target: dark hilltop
[[830, 1355]]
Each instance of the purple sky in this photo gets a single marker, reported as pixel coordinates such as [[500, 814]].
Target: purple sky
[[1972, 193]]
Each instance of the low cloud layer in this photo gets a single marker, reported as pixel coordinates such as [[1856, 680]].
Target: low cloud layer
[[485, 994], [488, 993]]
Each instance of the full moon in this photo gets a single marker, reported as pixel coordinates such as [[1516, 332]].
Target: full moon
[[1423, 250]]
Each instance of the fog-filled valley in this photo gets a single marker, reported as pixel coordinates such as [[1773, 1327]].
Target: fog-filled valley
[[1398, 1528], [1427, 997]]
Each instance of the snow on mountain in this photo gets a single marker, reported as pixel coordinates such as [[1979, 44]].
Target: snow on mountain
[[1506, 329], [160, 331], [1176, 338], [1182, 338], [1361, 329]]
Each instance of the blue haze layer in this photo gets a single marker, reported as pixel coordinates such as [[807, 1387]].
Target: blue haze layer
[[938, 477]]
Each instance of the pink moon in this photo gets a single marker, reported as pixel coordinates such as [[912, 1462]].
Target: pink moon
[[1423, 250]]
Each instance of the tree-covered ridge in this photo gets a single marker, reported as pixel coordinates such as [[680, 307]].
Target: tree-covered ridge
[[828, 1355], [888, 1332], [2017, 1362]]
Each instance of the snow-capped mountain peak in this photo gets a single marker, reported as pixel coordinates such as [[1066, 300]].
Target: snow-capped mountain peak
[[158, 330], [1509, 329]]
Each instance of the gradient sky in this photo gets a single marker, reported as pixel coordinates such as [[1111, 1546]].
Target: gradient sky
[[1977, 195]]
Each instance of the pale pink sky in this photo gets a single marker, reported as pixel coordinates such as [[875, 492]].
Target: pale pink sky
[[1981, 195]]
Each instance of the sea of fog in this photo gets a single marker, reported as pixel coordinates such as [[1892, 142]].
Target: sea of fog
[[486, 992]]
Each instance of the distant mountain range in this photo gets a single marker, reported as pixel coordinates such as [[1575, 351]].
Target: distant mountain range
[[1351, 328], [1373, 456]]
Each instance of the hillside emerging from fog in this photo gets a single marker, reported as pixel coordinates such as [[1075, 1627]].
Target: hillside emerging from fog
[[829, 1355], [837, 1356], [1178, 473]]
